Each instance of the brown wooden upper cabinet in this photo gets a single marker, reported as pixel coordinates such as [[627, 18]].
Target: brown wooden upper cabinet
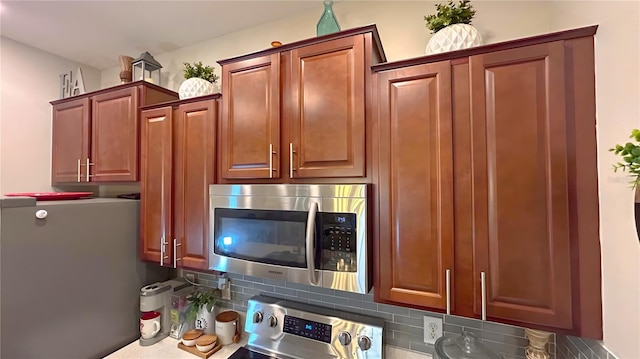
[[95, 136], [521, 184], [250, 124], [178, 144], [70, 140], [298, 111], [415, 187], [487, 159]]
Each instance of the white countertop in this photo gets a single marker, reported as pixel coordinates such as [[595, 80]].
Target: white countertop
[[168, 348]]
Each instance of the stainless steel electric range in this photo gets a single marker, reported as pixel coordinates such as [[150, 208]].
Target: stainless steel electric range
[[290, 330]]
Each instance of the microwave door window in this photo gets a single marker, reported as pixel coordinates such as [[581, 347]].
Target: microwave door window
[[265, 236]]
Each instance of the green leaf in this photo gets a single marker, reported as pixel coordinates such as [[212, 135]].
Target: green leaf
[[202, 298], [450, 14], [630, 153], [198, 70]]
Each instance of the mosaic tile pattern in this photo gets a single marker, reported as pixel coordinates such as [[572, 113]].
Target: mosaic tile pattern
[[581, 348], [403, 326]]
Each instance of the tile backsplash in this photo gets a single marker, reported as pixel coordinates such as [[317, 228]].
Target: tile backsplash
[[403, 326], [569, 347]]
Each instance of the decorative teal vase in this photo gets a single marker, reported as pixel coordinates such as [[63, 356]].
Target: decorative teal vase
[[328, 23]]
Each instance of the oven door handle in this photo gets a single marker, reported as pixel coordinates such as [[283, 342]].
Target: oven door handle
[[311, 240]]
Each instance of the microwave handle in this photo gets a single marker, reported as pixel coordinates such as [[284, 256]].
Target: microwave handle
[[310, 238]]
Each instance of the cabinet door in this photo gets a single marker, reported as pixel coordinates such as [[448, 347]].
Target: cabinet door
[[415, 193], [114, 145], [194, 159], [250, 124], [155, 186], [521, 214], [327, 116], [70, 141]]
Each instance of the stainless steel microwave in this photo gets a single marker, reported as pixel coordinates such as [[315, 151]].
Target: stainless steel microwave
[[310, 234]]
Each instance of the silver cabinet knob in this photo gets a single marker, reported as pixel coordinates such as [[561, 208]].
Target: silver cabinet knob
[[344, 338], [364, 342], [273, 321], [41, 214], [257, 317]]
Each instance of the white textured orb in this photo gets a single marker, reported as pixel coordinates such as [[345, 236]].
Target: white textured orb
[[195, 87], [453, 37]]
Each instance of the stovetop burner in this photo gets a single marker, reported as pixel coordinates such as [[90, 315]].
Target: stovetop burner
[[284, 329], [244, 353]]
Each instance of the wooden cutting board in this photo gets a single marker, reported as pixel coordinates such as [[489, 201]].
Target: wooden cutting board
[[193, 350]]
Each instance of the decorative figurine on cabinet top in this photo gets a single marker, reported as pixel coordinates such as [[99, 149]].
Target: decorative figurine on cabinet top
[[146, 68], [328, 23], [125, 68]]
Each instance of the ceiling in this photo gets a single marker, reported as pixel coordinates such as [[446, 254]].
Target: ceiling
[[95, 32]]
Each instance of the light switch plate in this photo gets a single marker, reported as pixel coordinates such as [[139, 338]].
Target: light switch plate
[[432, 329]]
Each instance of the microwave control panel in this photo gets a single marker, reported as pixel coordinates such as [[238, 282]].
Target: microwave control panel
[[338, 238]]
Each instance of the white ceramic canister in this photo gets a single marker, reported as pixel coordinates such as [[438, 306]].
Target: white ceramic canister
[[228, 327]]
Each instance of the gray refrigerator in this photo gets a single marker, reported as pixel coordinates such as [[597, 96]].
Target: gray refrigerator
[[70, 281]]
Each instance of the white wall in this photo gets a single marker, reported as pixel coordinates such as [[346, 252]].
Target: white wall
[[400, 24], [29, 81], [618, 111]]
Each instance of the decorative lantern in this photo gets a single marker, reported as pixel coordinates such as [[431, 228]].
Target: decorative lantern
[[146, 68]]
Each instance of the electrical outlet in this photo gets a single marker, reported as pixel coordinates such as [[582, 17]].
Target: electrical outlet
[[190, 277], [432, 329]]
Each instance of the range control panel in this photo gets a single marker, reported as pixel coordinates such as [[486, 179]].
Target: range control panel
[[300, 330], [307, 328]]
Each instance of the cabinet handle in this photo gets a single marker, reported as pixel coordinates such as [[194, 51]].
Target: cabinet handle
[[88, 169], [161, 251], [271, 153], [78, 170], [448, 289], [175, 253], [483, 280], [291, 152]]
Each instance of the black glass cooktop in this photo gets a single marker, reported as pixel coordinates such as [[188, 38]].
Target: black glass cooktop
[[244, 353]]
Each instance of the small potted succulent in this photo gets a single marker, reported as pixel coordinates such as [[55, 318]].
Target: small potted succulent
[[200, 80], [451, 28], [202, 309]]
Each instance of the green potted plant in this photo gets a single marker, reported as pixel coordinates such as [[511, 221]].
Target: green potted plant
[[201, 309], [630, 163], [200, 80], [451, 28], [630, 153]]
